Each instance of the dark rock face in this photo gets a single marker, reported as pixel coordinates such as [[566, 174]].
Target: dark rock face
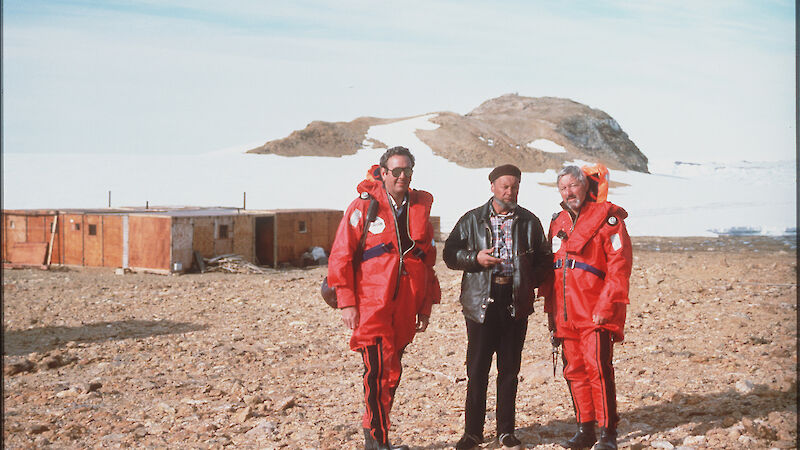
[[498, 131], [603, 139]]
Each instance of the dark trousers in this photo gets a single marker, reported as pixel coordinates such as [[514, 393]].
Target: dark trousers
[[501, 334]]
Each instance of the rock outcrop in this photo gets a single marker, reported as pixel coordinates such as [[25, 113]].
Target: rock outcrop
[[505, 129], [321, 138]]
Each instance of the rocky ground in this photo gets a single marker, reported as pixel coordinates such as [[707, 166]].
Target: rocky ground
[[94, 359]]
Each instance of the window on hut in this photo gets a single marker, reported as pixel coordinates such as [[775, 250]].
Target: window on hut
[[92, 229], [223, 232], [301, 226]]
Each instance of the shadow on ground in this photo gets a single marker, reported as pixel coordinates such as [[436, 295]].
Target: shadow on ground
[[705, 411], [44, 339]]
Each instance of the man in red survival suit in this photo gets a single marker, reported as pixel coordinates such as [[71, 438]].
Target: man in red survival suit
[[587, 297], [387, 296]]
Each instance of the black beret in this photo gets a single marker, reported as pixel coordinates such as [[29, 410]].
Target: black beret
[[505, 169]]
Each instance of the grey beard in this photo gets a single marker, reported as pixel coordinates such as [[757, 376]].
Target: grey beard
[[506, 205]]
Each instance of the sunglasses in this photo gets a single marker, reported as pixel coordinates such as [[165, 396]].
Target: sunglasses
[[398, 170]]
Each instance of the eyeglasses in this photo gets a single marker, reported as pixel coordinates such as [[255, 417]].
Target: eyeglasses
[[398, 170]]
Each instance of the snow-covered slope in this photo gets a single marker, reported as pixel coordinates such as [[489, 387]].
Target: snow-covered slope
[[676, 199]]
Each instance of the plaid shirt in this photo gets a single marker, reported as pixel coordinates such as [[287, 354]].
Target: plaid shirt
[[502, 242]]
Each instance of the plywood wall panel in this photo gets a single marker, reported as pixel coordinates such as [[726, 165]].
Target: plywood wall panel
[[223, 245], [14, 230], [149, 242], [36, 229], [203, 236], [92, 243], [320, 231], [244, 237], [73, 239], [112, 241], [32, 253]]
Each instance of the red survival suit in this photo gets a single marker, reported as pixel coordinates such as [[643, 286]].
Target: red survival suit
[[592, 260], [389, 289]]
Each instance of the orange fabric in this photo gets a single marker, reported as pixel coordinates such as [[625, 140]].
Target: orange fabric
[[388, 298], [589, 373], [600, 239], [598, 182]]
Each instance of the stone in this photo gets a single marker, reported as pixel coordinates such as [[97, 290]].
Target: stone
[[71, 392], [694, 440], [38, 428], [263, 428], [286, 404], [20, 367], [746, 440], [728, 421], [252, 399], [662, 444], [744, 386], [749, 425], [164, 406], [243, 414]]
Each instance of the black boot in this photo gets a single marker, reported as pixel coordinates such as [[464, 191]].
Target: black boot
[[388, 446], [608, 439], [371, 444], [584, 438], [468, 441]]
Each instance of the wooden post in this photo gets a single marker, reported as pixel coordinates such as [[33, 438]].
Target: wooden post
[[244, 200], [109, 199], [52, 238]]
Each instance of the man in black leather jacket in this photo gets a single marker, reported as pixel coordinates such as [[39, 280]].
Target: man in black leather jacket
[[503, 251]]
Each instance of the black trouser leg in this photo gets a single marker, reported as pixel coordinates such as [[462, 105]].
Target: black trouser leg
[[480, 349], [509, 357], [501, 334]]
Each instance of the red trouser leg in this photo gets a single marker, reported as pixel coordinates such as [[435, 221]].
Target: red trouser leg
[[590, 377], [579, 387], [382, 372], [385, 329]]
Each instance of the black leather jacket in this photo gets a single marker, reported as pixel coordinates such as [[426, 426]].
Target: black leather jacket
[[533, 260]]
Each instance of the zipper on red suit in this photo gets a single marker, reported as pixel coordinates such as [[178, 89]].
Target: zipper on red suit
[[571, 229], [399, 246]]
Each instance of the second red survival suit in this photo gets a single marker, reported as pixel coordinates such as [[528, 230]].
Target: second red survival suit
[[592, 261]]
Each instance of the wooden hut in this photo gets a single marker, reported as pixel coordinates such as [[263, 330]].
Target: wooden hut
[[162, 240]]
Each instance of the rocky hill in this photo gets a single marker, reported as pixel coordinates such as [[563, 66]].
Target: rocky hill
[[503, 129]]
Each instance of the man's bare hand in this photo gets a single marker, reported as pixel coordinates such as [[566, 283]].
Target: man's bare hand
[[486, 259], [350, 317], [422, 322]]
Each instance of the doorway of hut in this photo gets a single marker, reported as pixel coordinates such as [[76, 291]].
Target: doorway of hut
[[265, 241]]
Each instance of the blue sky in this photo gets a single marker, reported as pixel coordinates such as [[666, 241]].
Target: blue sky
[[687, 80]]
